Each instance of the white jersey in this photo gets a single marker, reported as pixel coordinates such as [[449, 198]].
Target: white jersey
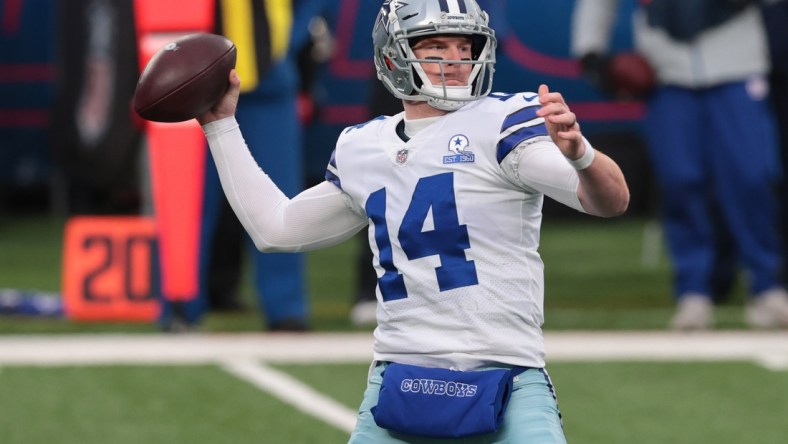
[[454, 237], [454, 216]]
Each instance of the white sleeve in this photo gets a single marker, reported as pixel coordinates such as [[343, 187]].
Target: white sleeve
[[538, 165], [318, 217]]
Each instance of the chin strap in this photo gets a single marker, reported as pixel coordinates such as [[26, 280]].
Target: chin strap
[[446, 105], [455, 97]]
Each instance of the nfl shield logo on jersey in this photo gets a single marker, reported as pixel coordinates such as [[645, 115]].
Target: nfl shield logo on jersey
[[402, 156], [458, 145]]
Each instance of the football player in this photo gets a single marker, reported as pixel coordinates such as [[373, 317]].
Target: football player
[[451, 190]]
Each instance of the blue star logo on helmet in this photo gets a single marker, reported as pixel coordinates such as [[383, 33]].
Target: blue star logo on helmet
[[458, 145], [385, 11]]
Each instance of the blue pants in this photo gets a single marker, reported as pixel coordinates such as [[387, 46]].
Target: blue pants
[[716, 147], [273, 135], [531, 418]]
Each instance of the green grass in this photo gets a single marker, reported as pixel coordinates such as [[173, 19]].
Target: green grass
[[146, 404], [718, 402], [31, 249], [602, 403], [595, 278]]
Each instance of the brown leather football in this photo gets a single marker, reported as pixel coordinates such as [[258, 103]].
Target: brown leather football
[[185, 78], [631, 75]]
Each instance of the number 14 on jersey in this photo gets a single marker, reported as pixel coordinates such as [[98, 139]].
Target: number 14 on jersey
[[448, 239]]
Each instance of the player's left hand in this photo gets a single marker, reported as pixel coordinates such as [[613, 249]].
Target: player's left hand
[[561, 123]]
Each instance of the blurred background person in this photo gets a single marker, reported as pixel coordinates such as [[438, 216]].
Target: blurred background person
[[775, 14], [711, 139], [223, 276], [269, 37], [95, 142]]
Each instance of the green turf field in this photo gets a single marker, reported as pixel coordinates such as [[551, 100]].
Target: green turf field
[[598, 277], [604, 403]]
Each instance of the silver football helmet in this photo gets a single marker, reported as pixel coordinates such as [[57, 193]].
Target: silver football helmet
[[401, 23]]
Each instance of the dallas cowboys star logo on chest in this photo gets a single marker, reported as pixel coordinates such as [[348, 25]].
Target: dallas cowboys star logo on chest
[[459, 148]]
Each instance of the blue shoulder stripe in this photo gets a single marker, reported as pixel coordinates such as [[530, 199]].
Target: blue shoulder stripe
[[520, 116], [333, 178], [332, 162], [331, 170], [362, 125], [508, 143]]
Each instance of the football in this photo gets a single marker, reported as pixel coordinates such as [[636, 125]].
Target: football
[[631, 75], [185, 78]]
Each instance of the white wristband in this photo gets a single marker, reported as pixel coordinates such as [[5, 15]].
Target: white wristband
[[585, 160]]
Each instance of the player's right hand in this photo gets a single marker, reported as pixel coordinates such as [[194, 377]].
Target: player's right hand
[[227, 105]]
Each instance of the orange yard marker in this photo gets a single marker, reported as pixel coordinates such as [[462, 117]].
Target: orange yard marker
[[110, 269]]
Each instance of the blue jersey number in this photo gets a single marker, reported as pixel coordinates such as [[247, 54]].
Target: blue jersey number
[[448, 239]]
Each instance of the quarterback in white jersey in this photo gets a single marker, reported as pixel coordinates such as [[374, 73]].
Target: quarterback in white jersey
[[451, 190]]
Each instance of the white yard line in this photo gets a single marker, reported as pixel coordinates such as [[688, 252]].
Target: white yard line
[[88, 349], [293, 392], [667, 346], [91, 349]]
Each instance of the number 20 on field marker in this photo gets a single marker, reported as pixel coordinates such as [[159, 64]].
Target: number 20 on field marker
[[110, 269]]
